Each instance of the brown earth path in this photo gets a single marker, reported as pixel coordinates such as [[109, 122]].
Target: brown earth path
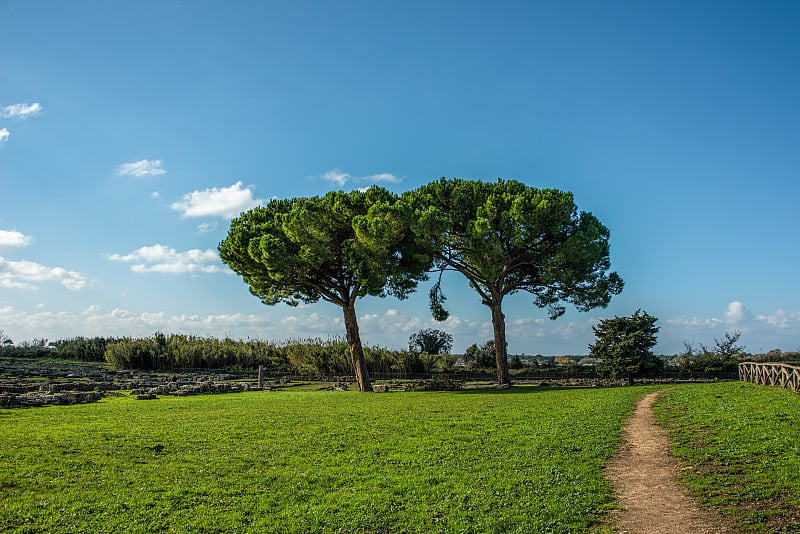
[[644, 476]]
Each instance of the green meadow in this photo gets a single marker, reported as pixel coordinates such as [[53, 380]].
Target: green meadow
[[741, 446], [519, 460], [474, 461]]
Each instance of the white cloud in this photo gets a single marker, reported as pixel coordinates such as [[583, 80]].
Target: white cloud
[[225, 202], [390, 328], [8, 283], [21, 111], [338, 178], [20, 274], [13, 239], [382, 177], [204, 228], [695, 323], [737, 313], [155, 195], [781, 320], [4, 135], [161, 259], [143, 167]]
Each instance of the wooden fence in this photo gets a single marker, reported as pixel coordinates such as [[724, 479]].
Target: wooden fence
[[784, 375]]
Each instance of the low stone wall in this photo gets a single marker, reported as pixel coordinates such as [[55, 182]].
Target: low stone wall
[[34, 399], [26, 383], [196, 388]]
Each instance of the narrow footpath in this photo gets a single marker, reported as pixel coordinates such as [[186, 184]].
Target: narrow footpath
[[644, 475]]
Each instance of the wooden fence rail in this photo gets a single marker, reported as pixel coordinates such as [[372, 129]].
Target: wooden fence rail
[[784, 375]]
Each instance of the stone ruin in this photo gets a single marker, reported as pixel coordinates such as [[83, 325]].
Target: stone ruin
[[31, 383]]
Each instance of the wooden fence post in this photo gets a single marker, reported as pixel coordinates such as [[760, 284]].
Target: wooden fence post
[[771, 374]]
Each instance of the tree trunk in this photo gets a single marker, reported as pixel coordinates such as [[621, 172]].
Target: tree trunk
[[501, 356], [356, 351]]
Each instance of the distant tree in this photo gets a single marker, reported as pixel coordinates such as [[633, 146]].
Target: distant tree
[[431, 341], [564, 361], [516, 362], [728, 346], [723, 358], [482, 357], [623, 344], [338, 248], [506, 237]]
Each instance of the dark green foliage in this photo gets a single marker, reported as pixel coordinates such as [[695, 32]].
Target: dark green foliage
[[84, 349], [318, 357], [307, 357], [516, 362], [431, 341], [482, 357], [506, 237], [338, 248], [78, 348], [723, 359], [439, 383], [728, 346], [775, 355], [623, 344], [335, 248], [37, 348], [176, 351]]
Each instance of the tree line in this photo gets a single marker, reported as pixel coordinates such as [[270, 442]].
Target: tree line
[[428, 352], [503, 237], [623, 343]]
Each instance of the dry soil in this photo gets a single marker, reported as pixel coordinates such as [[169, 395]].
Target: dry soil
[[644, 475]]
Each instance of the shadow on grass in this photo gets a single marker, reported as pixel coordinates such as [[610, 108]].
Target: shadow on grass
[[526, 390]]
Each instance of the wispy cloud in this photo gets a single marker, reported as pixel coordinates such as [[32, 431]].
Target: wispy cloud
[[21, 111], [224, 202], [94, 308], [781, 320], [21, 274], [528, 335], [4, 135], [384, 177], [143, 167], [338, 178], [267, 325], [161, 259], [204, 228], [13, 239]]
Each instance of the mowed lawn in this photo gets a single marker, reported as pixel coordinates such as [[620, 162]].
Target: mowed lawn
[[741, 445], [519, 460]]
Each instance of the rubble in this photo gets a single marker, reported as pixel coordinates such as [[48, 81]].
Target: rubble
[[30, 383]]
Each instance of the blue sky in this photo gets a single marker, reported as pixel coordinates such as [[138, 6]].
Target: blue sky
[[131, 132]]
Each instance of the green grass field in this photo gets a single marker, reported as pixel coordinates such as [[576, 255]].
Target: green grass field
[[520, 460], [741, 443]]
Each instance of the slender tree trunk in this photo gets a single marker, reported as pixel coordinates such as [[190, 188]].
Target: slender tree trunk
[[356, 351], [499, 324]]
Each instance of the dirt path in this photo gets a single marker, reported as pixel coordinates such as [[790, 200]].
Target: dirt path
[[644, 475]]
